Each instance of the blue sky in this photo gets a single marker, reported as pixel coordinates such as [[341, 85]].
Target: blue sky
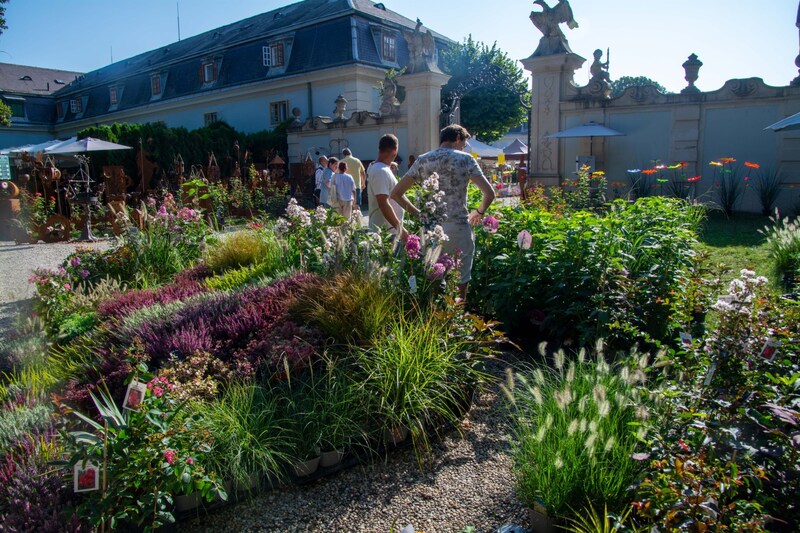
[[733, 38]]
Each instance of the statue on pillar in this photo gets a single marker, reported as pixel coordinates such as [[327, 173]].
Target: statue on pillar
[[547, 21], [421, 50], [600, 83]]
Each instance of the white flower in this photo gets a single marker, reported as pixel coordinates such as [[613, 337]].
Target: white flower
[[282, 225], [430, 207], [320, 214], [412, 284]]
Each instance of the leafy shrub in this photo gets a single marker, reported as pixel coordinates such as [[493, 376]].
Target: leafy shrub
[[76, 324], [243, 248], [196, 377], [572, 431], [783, 240], [33, 495], [587, 276]]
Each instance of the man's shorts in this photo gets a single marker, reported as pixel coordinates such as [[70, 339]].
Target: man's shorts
[[462, 245]]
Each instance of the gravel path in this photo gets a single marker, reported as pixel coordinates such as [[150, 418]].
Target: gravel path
[[17, 261], [469, 482]]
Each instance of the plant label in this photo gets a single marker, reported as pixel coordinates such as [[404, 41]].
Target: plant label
[[134, 396], [711, 371], [86, 478], [770, 349], [686, 339]]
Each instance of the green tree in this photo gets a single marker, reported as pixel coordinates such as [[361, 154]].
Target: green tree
[[618, 86], [491, 88], [3, 25]]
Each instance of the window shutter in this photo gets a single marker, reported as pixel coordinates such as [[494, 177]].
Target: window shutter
[[279, 55]]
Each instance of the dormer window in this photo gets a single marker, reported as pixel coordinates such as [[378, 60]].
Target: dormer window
[[389, 48], [76, 106], [209, 70], [155, 85], [26, 78], [273, 55], [113, 96]]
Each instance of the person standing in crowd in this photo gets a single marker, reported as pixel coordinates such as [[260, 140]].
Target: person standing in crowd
[[356, 170], [323, 163], [456, 169], [325, 186], [345, 189], [383, 212]]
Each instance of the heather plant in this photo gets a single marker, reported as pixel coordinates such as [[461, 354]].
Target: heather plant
[[146, 457], [251, 435], [127, 302], [18, 421], [575, 430], [783, 239], [249, 275], [33, 493]]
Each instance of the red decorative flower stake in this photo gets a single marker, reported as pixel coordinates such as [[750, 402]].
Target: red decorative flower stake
[[86, 478]]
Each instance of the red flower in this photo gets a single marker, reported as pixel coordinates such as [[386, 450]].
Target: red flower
[[728, 160], [86, 480], [169, 456], [696, 178], [683, 445], [748, 164], [649, 171]]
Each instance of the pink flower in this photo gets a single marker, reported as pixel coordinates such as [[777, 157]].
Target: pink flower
[[67, 286], [524, 240], [158, 392], [169, 456], [448, 262], [76, 261], [190, 460], [437, 271], [413, 246], [151, 202], [490, 224]]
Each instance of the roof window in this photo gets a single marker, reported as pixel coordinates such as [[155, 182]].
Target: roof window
[[26, 78]]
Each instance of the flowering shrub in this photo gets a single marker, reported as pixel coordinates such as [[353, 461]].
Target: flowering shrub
[[34, 210], [146, 457], [430, 200], [196, 376], [723, 450], [587, 191], [783, 239], [123, 304]]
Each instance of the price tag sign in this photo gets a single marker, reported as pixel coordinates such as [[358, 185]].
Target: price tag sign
[[5, 168], [501, 159]]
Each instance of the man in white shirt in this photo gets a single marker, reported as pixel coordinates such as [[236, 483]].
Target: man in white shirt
[[323, 164], [383, 212]]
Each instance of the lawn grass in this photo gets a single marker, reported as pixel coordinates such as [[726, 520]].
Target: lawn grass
[[736, 243]]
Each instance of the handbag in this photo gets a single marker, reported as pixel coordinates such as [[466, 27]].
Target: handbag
[[333, 193]]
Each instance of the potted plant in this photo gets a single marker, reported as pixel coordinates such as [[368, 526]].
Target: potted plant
[[337, 401]]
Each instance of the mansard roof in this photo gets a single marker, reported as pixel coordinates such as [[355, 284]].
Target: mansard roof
[[320, 33], [24, 80]]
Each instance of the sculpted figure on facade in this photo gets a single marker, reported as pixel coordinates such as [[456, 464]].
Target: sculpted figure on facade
[[389, 102], [421, 50], [547, 21]]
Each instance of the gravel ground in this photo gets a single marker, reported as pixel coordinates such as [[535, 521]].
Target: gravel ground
[[17, 261], [468, 482]]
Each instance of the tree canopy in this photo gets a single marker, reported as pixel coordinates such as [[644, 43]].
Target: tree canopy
[[618, 86], [491, 87], [3, 25], [5, 111]]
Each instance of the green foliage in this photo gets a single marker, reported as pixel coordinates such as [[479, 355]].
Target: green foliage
[[587, 276], [5, 112], [573, 429], [418, 376], [619, 86], [349, 308], [783, 241], [242, 249], [723, 410], [144, 458], [491, 86], [250, 432], [162, 144]]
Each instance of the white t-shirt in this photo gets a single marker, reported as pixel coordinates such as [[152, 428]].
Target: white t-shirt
[[345, 186], [381, 181]]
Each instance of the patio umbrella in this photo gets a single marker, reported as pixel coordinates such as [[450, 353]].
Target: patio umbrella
[[591, 130], [789, 123], [89, 144], [516, 148], [482, 149]]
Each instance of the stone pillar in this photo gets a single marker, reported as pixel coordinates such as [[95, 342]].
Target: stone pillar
[[552, 83], [423, 102]]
